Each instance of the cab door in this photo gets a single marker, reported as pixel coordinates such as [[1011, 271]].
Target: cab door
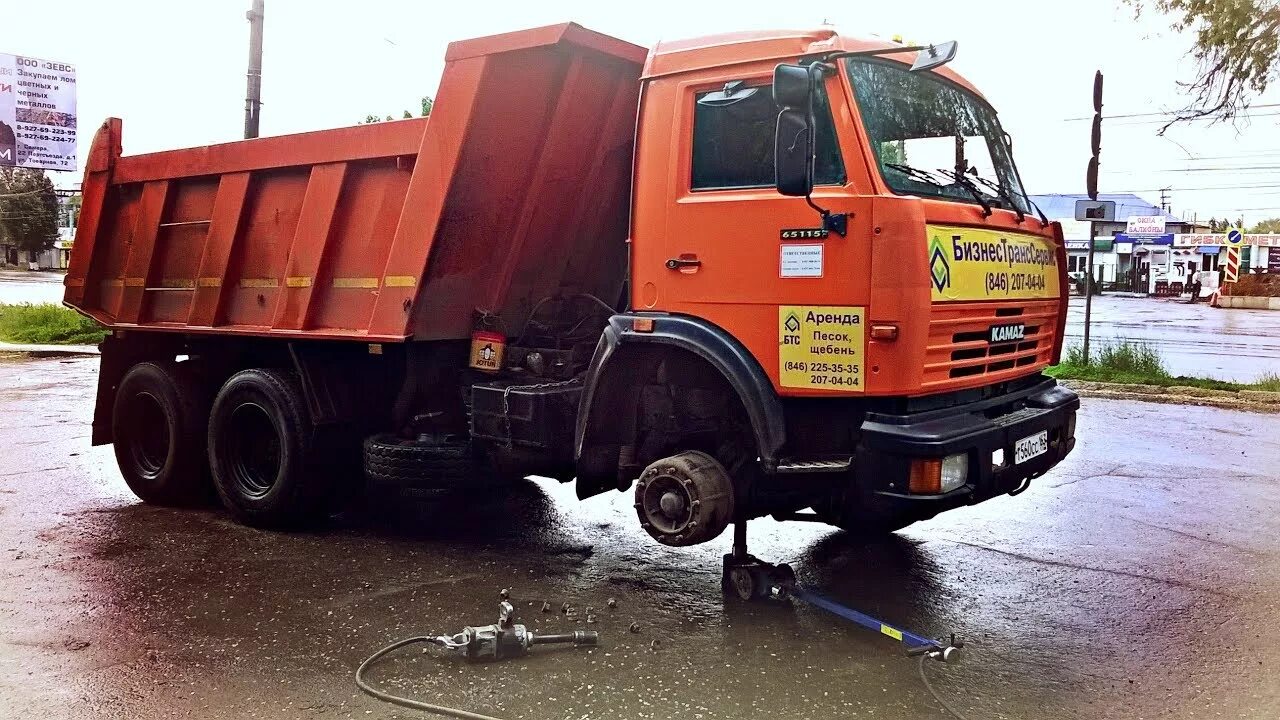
[[718, 241]]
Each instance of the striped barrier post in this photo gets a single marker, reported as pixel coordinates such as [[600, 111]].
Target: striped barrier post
[[1232, 273]]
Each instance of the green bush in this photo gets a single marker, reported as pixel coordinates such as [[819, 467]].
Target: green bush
[[1125, 356], [1135, 357], [51, 324]]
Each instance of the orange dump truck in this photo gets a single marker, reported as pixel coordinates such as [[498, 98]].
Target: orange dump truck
[[769, 273]]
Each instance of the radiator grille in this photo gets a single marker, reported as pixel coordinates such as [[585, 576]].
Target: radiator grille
[[959, 348]]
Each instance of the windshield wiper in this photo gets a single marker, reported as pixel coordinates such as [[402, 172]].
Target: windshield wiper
[[1004, 195], [963, 180], [922, 175]]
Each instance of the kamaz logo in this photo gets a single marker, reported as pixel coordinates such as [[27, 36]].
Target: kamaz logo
[[1008, 333], [939, 268]]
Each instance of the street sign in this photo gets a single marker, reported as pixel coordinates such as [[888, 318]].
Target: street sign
[[1096, 210], [1235, 238], [37, 113], [1143, 225]]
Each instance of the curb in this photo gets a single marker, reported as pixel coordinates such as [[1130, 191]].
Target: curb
[[1260, 401]]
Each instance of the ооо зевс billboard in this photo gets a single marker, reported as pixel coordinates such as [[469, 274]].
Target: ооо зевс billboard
[[37, 113]]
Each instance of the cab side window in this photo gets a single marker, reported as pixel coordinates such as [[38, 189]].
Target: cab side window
[[733, 139]]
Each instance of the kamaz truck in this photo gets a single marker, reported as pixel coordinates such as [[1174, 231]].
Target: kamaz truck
[[785, 273]]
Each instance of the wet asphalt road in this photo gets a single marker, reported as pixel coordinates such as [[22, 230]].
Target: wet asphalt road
[[1141, 579], [1193, 339], [23, 286]]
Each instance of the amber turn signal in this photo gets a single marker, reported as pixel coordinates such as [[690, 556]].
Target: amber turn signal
[[642, 324], [926, 476]]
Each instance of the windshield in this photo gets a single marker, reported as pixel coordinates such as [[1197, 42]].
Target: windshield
[[932, 138]]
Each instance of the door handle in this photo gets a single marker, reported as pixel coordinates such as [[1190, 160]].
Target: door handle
[[683, 262]]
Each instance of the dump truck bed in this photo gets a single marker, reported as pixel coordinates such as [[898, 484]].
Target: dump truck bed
[[515, 188]]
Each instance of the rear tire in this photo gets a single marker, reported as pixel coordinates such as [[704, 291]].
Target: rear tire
[[261, 450], [158, 423]]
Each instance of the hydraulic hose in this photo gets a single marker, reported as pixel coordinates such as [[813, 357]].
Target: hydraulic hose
[[403, 701], [927, 686]]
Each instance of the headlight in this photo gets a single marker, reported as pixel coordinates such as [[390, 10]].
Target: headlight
[[955, 471]]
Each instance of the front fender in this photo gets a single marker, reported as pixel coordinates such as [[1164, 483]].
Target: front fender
[[709, 342]]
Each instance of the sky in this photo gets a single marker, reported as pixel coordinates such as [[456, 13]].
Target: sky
[[174, 71]]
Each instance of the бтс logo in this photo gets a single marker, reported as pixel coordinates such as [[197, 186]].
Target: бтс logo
[[939, 268]]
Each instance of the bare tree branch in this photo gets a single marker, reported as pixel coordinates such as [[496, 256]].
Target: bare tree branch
[[1235, 50]]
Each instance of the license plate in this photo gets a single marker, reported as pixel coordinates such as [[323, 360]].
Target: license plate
[[1031, 447]]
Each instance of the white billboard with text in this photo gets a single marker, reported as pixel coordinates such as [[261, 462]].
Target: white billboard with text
[[37, 113]]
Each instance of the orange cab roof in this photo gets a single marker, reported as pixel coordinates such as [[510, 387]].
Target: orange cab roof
[[669, 57]]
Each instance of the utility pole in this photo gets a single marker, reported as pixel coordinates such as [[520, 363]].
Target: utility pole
[[1091, 182], [1164, 199], [253, 85]]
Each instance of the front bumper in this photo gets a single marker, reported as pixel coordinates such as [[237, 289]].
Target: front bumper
[[889, 443]]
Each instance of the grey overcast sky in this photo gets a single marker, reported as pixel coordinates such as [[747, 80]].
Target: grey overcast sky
[[174, 70]]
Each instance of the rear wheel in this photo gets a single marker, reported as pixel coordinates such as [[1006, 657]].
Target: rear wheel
[[158, 423], [261, 450]]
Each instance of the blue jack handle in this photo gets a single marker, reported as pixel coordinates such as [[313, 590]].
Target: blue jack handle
[[915, 644]]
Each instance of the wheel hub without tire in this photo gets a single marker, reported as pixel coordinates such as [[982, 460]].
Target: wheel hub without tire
[[685, 499]]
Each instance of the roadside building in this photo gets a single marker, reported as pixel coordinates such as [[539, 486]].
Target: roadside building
[[56, 257], [1123, 262]]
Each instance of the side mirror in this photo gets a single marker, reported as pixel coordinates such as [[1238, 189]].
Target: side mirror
[[793, 88], [793, 154], [935, 56]]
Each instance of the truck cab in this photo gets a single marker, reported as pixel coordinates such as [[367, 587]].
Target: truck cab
[[892, 357]]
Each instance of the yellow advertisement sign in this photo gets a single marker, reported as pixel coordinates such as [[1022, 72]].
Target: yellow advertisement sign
[[821, 347], [977, 264]]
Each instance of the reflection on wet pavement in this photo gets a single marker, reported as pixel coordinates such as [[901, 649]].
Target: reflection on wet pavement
[[1137, 580]]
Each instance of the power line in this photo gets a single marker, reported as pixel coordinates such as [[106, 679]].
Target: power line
[[1207, 118], [1169, 114], [1243, 170], [1204, 188], [5, 196]]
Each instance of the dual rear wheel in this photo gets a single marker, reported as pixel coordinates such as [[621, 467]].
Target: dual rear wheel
[[252, 445]]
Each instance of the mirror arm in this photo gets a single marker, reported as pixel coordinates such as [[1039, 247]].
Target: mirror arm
[[873, 53], [837, 223]]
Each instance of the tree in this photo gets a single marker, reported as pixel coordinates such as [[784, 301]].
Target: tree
[[1235, 48], [28, 210], [1270, 226], [427, 104]]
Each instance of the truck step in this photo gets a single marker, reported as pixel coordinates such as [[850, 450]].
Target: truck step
[[829, 465]]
